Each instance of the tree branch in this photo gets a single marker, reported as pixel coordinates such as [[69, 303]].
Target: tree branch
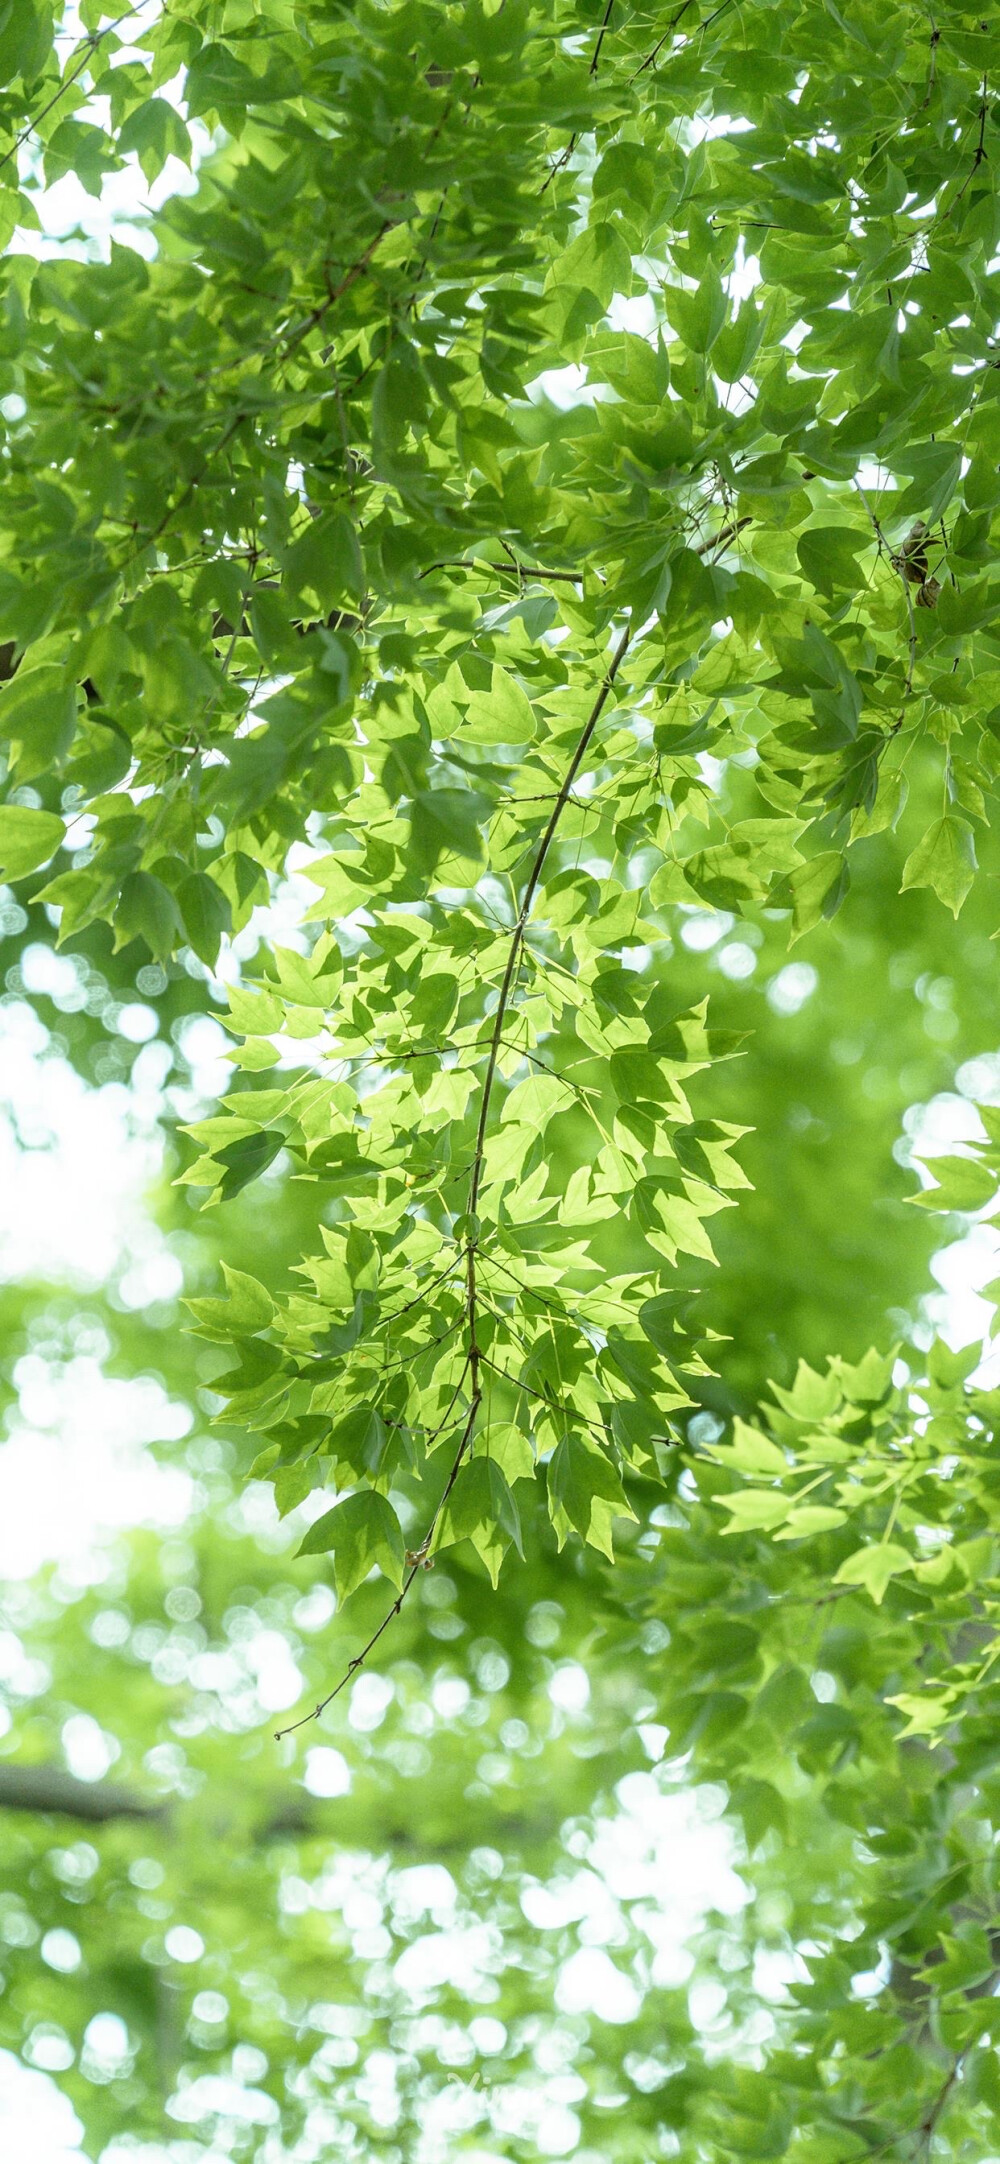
[[56, 1793], [527, 571], [418, 1556], [49, 1788]]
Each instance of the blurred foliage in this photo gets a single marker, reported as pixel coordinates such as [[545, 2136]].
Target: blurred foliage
[[825, 1245]]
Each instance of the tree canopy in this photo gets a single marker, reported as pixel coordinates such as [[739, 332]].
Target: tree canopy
[[498, 606]]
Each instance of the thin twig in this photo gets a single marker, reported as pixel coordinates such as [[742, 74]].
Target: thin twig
[[567, 578], [658, 47], [592, 70], [506, 990], [418, 1554], [527, 571], [932, 66], [563, 159], [726, 533], [352, 1666], [980, 152], [67, 82], [929, 2124], [669, 31], [554, 1405], [517, 936]]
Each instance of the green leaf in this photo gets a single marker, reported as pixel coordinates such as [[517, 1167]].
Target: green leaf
[[245, 1159], [38, 716], [28, 838], [637, 371], [509, 1448], [935, 468], [944, 859], [156, 132], [243, 882], [762, 1810], [963, 1184], [872, 1568], [810, 1519], [502, 715], [147, 910], [218, 82], [362, 1534], [325, 563], [755, 1510], [961, 611], [482, 1509], [585, 1494], [662, 1319], [698, 317], [597, 264], [445, 822], [829, 557], [249, 1306], [752, 1452], [734, 349], [207, 915], [817, 889]]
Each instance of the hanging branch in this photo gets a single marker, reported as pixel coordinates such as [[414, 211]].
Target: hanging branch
[[417, 1557]]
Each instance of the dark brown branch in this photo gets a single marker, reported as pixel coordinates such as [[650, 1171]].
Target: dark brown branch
[[981, 151], [57, 1793], [932, 68], [928, 2124], [983, 110]]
